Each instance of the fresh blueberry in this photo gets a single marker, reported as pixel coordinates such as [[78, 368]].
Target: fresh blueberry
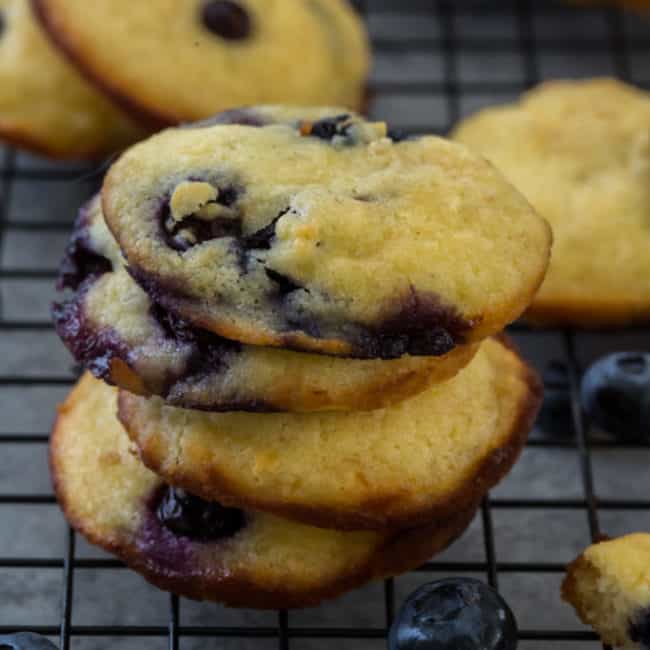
[[25, 641], [616, 395], [190, 516], [555, 417], [454, 614], [226, 19]]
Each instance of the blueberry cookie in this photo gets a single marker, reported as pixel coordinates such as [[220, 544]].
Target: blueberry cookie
[[171, 61], [426, 457], [609, 586], [205, 550], [45, 105], [112, 327], [326, 235], [580, 152]]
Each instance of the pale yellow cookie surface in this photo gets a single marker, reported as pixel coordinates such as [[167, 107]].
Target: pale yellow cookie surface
[[580, 152]]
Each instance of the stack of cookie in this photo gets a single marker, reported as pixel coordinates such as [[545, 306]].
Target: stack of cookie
[[295, 311]]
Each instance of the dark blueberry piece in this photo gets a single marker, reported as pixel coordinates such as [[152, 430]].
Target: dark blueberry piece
[[285, 284], [454, 614], [616, 395], [2, 23], [555, 417], [25, 641], [639, 629], [226, 19], [188, 232], [80, 261], [328, 128], [187, 515], [262, 238]]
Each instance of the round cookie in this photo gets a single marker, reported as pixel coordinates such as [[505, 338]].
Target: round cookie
[[205, 551], [112, 328], [179, 62], [425, 458], [580, 152], [609, 586], [45, 105], [326, 236]]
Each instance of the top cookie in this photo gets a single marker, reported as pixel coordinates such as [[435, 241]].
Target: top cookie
[[580, 152], [45, 105], [326, 235], [175, 61]]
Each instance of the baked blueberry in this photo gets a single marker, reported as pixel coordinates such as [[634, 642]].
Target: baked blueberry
[[25, 641], [555, 417], [226, 19], [454, 614], [190, 516], [616, 395]]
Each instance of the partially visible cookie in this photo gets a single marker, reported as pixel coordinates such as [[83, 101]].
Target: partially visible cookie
[[112, 327], [203, 550], [45, 105], [425, 458], [326, 235], [609, 586], [171, 61], [580, 152]]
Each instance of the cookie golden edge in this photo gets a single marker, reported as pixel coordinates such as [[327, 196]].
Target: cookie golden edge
[[379, 513], [145, 114], [401, 551]]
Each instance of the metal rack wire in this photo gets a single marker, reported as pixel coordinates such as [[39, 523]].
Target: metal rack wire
[[446, 47]]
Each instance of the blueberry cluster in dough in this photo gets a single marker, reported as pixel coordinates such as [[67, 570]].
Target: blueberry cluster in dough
[[271, 442]]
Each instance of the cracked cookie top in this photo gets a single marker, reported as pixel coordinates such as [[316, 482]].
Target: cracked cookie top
[[327, 235]]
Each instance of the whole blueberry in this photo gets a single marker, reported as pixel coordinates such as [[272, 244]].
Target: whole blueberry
[[454, 614], [25, 641], [616, 395], [555, 417]]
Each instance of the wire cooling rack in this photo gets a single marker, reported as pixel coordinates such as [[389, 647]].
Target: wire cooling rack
[[436, 61]]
